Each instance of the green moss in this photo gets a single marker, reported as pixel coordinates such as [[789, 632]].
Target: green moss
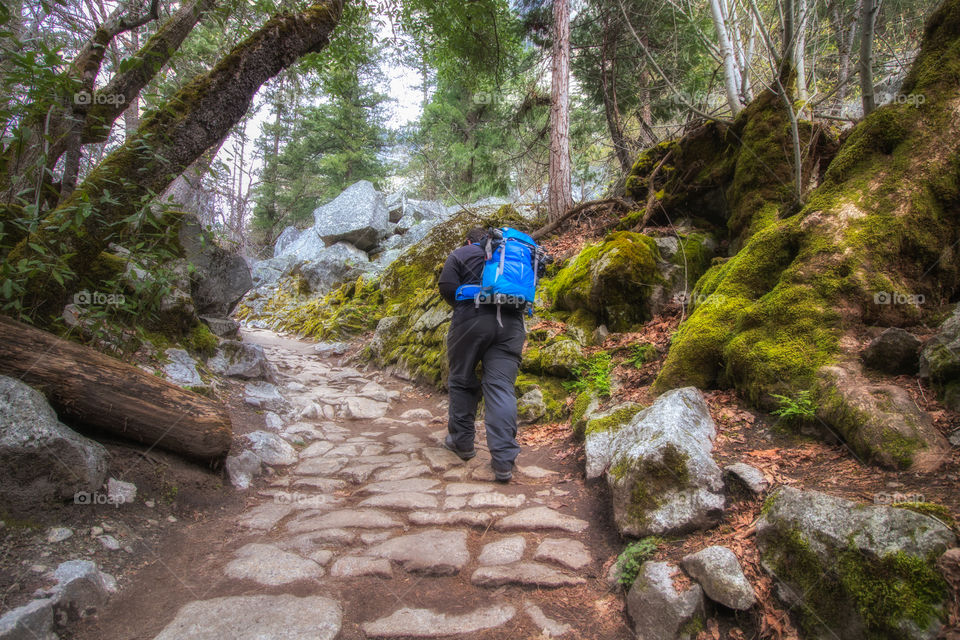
[[615, 420], [201, 340], [611, 280], [933, 509], [582, 405], [554, 394], [650, 479], [693, 627], [877, 593]]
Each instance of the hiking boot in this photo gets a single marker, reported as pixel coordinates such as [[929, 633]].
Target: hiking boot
[[450, 446], [502, 476]]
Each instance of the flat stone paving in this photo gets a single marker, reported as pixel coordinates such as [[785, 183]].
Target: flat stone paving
[[373, 498]]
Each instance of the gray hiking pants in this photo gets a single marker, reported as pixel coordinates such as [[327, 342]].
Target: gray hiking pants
[[476, 337]]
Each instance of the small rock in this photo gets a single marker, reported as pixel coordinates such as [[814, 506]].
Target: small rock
[[359, 408], [550, 628], [895, 351], [480, 500], [396, 486], [96, 531], [747, 476], [506, 551], [271, 448], [109, 543], [58, 534], [120, 492], [416, 414], [272, 420], [423, 623], [432, 552], [256, 617], [346, 519], [356, 566], [401, 500], [32, 621], [453, 518], [719, 573], [150, 504], [242, 468], [523, 573], [182, 369], [539, 518], [271, 566], [263, 395], [171, 519], [325, 349], [572, 554]]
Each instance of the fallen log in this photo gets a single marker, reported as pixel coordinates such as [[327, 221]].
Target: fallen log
[[90, 389]]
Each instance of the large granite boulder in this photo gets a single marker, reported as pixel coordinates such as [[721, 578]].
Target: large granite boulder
[[662, 477], [880, 422], [854, 571], [940, 357], [286, 238], [333, 266], [40, 458], [220, 277], [358, 215], [599, 433]]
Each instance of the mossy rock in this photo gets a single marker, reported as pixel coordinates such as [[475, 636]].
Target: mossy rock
[[560, 357], [584, 407], [553, 393], [611, 280], [855, 571]]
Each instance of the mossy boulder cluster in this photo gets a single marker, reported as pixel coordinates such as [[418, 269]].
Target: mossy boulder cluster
[[855, 571]]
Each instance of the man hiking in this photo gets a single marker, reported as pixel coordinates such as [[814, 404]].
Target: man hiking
[[490, 334]]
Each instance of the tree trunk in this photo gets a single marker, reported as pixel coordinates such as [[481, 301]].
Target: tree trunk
[[94, 118], [731, 80], [608, 81], [559, 198], [800, 50], [168, 141], [90, 389], [868, 18]]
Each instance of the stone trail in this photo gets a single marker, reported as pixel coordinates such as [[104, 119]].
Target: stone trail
[[373, 530]]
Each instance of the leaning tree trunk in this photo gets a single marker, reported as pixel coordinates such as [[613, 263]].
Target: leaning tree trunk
[[559, 197], [93, 390], [168, 141], [868, 20], [873, 243]]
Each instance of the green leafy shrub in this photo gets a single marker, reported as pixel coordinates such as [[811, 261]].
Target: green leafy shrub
[[795, 410], [592, 374], [633, 557]]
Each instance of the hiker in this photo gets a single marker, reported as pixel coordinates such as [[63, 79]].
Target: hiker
[[491, 334]]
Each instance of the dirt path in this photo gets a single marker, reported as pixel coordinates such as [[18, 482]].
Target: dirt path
[[378, 532]]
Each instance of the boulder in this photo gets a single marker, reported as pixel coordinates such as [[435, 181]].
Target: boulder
[[219, 278], [387, 329], [658, 610], [182, 369], [40, 458], [662, 478], [358, 216], [895, 351], [333, 266], [271, 448], [585, 405], [263, 395], [718, 571], [853, 570], [530, 406], [222, 327], [600, 431], [80, 591], [286, 238], [940, 357], [612, 280], [242, 360], [881, 423], [559, 358]]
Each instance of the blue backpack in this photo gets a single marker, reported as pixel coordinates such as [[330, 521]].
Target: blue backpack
[[510, 272]]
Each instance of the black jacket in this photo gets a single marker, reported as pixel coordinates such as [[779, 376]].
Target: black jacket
[[465, 266]]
